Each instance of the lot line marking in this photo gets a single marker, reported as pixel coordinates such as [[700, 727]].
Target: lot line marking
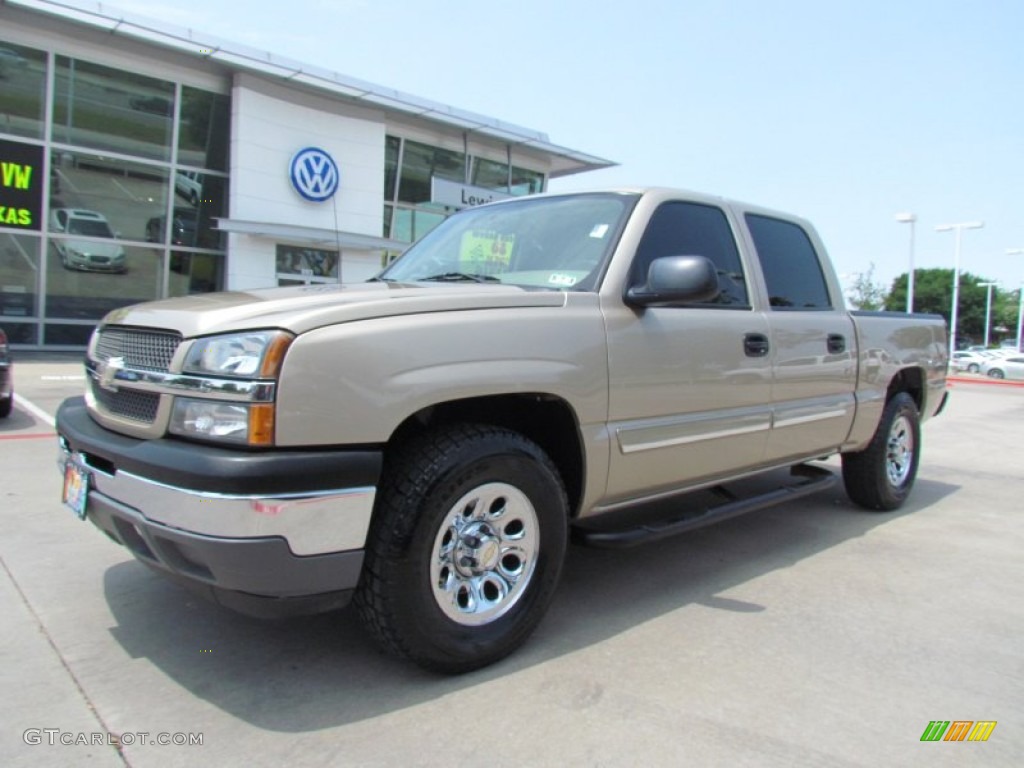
[[127, 191], [35, 410]]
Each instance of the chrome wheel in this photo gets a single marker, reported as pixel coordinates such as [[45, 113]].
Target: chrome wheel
[[899, 455], [485, 554]]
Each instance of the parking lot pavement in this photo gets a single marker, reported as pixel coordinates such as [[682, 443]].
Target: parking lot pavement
[[808, 634]]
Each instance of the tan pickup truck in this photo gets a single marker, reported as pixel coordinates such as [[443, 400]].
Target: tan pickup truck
[[534, 369]]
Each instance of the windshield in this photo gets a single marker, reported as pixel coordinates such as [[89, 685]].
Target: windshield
[[89, 227], [544, 242]]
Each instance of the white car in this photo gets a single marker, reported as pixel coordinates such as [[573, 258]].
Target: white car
[[1011, 367], [92, 255], [189, 184], [972, 360]]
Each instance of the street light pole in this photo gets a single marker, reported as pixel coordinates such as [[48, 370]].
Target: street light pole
[[909, 218], [1020, 298], [958, 228], [988, 308]]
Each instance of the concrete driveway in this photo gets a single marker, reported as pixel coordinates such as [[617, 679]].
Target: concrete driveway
[[809, 634]]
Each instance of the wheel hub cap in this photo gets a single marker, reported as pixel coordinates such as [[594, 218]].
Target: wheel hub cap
[[484, 554], [899, 451]]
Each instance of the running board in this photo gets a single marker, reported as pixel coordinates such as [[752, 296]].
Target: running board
[[809, 479]]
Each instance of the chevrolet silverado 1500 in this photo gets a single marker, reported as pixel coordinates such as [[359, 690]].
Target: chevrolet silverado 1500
[[532, 370]]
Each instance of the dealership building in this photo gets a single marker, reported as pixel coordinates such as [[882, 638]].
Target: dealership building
[[139, 161]]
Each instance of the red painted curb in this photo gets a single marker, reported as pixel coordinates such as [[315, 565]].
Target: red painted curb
[[985, 380], [31, 436]]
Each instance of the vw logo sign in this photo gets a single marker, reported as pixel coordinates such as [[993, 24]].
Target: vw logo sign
[[314, 174]]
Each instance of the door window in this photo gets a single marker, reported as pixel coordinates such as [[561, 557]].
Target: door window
[[694, 229]]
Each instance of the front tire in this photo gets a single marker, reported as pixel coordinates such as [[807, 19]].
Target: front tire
[[996, 373], [881, 476], [466, 547]]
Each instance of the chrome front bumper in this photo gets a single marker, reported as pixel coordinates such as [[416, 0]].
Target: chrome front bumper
[[312, 523]]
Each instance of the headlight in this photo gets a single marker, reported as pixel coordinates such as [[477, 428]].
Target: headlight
[[219, 421], [255, 355]]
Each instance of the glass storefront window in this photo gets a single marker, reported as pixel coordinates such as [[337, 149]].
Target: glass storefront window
[[203, 132], [87, 277], [19, 266], [23, 84], [206, 196], [104, 108], [99, 196], [391, 151], [297, 265], [526, 182], [410, 224], [195, 273], [420, 162], [21, 333], [489, 174], [415, 214], [67, 334]]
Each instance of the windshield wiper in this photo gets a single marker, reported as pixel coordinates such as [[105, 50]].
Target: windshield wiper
[[455, 277]]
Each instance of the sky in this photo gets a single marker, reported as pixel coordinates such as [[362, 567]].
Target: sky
[[846, 113]]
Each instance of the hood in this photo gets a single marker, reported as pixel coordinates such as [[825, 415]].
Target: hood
[[95, 248], [303, 308]]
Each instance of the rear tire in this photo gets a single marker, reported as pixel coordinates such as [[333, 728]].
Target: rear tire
[[466, 547], [881, 476], [6, 405]]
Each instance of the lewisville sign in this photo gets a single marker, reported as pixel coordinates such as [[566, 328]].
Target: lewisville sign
[[21, 185]]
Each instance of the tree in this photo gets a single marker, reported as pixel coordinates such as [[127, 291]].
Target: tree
[[865, 293], [933, 293], [1005, 308]]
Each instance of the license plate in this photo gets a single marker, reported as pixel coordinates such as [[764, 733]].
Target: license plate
[[76, 489]]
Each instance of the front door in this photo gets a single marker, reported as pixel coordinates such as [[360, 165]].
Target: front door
[[690, 387]]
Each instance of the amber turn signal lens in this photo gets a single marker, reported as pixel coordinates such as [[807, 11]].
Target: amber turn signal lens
[[261, 424]]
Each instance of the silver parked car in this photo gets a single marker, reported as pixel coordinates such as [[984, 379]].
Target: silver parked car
[[86, 254]]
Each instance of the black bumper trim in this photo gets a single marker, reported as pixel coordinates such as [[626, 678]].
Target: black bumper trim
[[257, 576], [212, 469]]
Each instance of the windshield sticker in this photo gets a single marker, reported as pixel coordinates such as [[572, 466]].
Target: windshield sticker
[[557, 279], [599, 231], [485, 252]]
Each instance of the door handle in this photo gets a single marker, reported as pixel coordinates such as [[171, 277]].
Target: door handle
[[836, 343], [755, 345]]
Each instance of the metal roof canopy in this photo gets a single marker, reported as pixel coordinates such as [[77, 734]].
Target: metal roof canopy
[[565, 161], [315, 235]]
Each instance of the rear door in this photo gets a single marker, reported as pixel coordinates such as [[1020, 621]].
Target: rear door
[[813, 341]]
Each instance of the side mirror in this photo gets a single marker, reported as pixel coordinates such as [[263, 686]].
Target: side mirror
[[676, 280]]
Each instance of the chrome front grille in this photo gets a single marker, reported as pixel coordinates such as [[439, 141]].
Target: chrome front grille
[[127, 403], [141, 349]]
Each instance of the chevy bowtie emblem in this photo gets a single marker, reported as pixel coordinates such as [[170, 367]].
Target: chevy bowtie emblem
[[314, 174], [108, 371]]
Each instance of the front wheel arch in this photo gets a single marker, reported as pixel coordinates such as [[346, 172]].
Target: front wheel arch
[[497, 581]]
